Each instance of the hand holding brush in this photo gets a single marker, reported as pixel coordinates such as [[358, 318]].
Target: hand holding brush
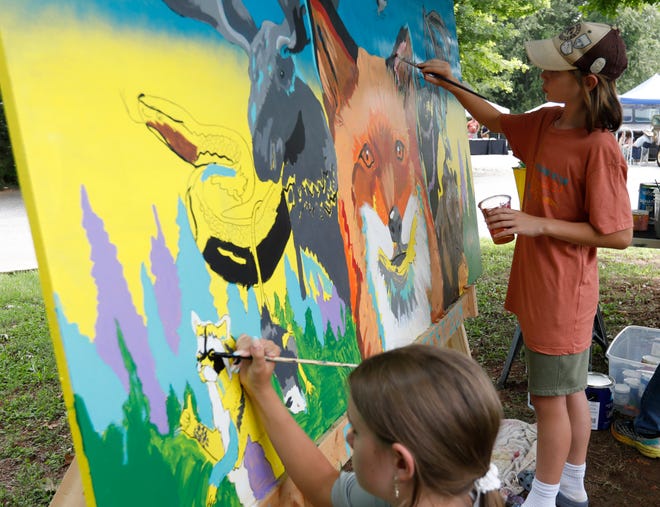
[[424, 67]]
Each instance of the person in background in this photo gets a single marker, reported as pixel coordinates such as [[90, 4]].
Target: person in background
[[626, 143], [645, 139], [643, 433], [642, 144], [484, 133], [472, 128], [423, 423], [573, 162]]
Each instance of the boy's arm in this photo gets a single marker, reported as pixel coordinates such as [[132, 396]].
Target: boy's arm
[[480, 109], [583, 233], [305, 464], [579, 233]]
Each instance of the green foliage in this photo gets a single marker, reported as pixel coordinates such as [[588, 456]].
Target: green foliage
[[491, 42], [642, 44], [612, 7], [482, 28]]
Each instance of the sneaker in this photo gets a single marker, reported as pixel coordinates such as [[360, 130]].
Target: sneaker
[[564, 501], [624, 432]]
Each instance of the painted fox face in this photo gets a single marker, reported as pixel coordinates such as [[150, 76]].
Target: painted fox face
[[384, 201], [384, 209]]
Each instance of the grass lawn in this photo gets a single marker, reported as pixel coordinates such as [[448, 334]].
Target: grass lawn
[[35, 443]]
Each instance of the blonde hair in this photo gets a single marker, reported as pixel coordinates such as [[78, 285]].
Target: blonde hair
[[602, 102], [441, 406]]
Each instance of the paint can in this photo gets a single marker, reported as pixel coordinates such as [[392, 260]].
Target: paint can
[[646, 199], [599, 397]]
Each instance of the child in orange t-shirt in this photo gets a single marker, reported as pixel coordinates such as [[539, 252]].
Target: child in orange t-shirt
[[575, 200]]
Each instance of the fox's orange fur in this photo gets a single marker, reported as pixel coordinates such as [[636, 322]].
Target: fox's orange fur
[[371, 108]]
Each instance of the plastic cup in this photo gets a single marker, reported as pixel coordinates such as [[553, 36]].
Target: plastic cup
[[487, 206]]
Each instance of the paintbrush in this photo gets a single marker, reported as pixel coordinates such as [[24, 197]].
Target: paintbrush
[[443, 78], [279, 359]]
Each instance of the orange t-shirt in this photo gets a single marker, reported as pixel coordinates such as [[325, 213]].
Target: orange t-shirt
[[574, 176]]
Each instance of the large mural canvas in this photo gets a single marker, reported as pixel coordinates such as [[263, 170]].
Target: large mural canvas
[[199, 169]]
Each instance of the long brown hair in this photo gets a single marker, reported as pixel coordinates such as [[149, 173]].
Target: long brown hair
[[441, 406], [602, 102]]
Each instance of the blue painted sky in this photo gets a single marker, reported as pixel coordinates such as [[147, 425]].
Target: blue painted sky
[[373, 32]]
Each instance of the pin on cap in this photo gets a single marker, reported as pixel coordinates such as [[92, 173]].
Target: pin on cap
[[594, 48]]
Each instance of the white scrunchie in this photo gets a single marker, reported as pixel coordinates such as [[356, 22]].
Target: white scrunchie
[[488, 482]]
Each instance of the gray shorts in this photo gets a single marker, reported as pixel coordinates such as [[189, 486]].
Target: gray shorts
[[556, 375]]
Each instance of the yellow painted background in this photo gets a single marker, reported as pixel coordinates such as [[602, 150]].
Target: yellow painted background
[[81, 124]]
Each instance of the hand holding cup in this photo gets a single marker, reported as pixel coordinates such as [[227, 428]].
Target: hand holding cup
[[487, 206]]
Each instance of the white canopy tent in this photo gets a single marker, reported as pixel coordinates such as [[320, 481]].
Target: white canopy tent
[[641, 105], [646, 93]]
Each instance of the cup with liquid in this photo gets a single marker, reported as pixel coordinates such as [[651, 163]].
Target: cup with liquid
[[487, 206]]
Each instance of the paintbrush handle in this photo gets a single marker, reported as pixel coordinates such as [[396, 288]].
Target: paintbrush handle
[[280, 359], [443, 78], [456, 84]]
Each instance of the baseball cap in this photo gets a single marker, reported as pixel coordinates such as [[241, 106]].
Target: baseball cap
[[594, 48]]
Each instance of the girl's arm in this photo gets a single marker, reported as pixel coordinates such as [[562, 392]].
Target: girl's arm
[[480, 109], [579, 233], [305, 464]]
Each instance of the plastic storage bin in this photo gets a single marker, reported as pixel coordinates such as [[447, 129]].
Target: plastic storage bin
[[627, 351]]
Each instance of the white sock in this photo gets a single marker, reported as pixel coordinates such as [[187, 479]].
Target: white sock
[[541, 494], [571, 483]]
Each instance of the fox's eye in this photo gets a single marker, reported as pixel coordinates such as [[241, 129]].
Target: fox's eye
[[366, 156], [400, 150]]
